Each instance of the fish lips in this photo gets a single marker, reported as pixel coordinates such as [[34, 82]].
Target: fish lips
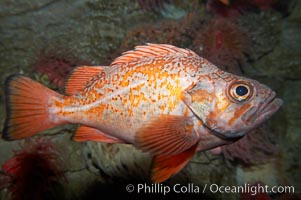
[[253, 118], [267, 110]]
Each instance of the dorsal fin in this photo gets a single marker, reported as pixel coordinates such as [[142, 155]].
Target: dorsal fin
[[80, 77], [151, 50]]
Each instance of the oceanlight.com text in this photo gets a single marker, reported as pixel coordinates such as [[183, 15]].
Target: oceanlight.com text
[[191, 188]]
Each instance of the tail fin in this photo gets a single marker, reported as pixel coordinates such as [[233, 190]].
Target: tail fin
[[26, 108]]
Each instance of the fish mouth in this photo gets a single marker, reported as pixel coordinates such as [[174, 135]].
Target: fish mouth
[[265, 110], [269, 107]]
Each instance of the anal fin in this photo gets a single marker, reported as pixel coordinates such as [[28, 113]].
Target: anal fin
[[86, 133], [164, 166]]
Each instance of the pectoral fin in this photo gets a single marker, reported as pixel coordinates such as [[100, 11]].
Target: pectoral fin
[[166, 135], [86, 133], [165, 166]]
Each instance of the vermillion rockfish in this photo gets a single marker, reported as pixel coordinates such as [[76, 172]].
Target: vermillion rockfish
[[164, 100]]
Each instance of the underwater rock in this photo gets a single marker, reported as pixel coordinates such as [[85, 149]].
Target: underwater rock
[[117, 162], [171, 11], [290, 164], [283, 61], [80, 183], [266, 173], [121, 163], [150, 5], [89, 30], [15, 7], [263, 30]]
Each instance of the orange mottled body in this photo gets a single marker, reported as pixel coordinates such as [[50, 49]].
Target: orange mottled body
[[162, 99], [133, 92]]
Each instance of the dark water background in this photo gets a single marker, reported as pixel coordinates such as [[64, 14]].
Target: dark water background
[[46, 39]]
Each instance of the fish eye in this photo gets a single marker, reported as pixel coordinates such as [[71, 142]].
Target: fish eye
[[241, 91]]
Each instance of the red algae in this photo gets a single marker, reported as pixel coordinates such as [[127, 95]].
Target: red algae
[[57, 68], [264, 4], [223, 43], [254, 148], [34, 171], [175, 32], [170, 32], [238, 7], [233, 9]]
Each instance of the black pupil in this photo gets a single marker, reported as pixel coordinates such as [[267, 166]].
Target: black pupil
[[241, 90]]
